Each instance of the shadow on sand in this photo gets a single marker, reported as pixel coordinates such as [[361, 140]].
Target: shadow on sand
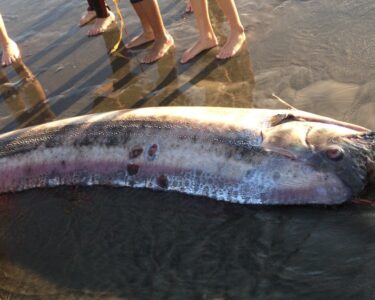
[[99, 242]]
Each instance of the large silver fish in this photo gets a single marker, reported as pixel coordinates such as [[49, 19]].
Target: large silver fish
[[252, 156]]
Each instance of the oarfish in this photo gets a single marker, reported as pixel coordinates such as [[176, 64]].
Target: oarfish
[[250, 156]]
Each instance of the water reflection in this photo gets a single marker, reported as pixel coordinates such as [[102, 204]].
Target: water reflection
[[218, 83], [210, 82], [120, 69], [136, 244], [24, 99]]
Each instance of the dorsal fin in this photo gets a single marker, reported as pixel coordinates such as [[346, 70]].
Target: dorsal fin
[[283, 102]]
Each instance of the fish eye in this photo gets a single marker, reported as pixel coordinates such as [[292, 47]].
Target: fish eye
[[334, 153]]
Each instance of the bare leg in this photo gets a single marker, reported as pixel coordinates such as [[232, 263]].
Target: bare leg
[[94, 10], [163, 40], [207, 38], [236, 36], [11, 52], [102, 24], [147, 35]]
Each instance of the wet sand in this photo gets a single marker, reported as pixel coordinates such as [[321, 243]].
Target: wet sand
[[101, 243]]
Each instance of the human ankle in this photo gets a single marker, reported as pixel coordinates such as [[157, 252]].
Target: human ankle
[[165, 37], [208, 39], [4, 38], [7, 42], [148, 34], [238, 30]]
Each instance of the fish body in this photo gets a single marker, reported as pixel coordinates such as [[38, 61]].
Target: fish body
[[249, 156]]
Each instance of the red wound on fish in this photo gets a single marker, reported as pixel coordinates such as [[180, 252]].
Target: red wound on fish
[[132, 169], [152, 150], [162, 181], [135, 152], [370, 170]]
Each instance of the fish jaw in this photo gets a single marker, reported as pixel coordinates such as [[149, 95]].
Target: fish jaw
[[332, 193], [281, 180]]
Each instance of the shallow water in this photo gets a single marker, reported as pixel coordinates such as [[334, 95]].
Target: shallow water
[[133, 244]]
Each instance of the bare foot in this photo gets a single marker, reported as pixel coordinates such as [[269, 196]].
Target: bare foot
[[11, 53], [232, 45], [159, 49], [102, 25], [198, 47], [141, 39], [189, 8], [87, 17]]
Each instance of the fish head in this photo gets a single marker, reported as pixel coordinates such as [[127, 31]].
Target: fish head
[[344, 156], [349, 155]]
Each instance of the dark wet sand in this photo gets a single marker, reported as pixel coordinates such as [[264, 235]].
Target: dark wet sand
[[102, 243]]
